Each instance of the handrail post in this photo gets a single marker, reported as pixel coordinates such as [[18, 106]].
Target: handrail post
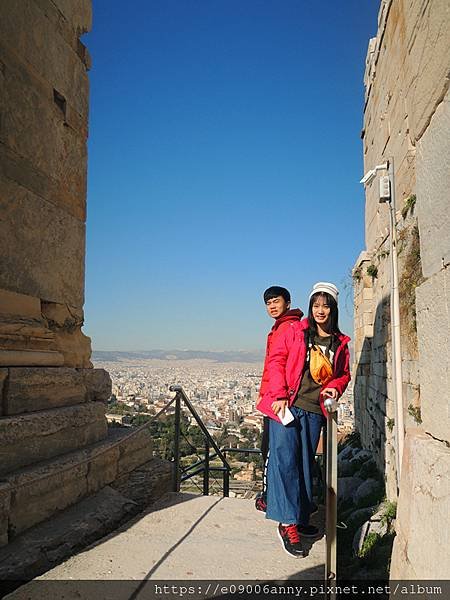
[[226, 483], [176, 475], [331, 499], [206, 471], [226, 479]]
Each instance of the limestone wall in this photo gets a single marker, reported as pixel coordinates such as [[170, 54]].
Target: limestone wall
[[43, 133], [52, 402], [55, 445], [407, 120]]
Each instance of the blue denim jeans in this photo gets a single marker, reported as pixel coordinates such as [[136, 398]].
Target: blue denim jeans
[[292, 449]]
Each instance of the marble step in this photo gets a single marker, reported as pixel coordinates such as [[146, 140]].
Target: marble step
[[33, 494], [30, 438]]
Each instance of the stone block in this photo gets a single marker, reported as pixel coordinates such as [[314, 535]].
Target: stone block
[[433, 179], [61, 537], [17, 334], [43, 154], [379, 369], [103, 469], [34, 388], [147, 482], [43, 247], [347, 487], [427, 65], [410, 371], [423, 509], [38, 493], [433, 308], [367, 318], [78, 13], [31, 177], [51, 53], [65, 322], [368, 493], [368, 331], [13, 304], [98, 384], [137, 450], [5, 502], [31, 358], [30, 438], [41, 490]]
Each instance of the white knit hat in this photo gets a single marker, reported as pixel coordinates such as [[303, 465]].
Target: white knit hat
[[324, 286]]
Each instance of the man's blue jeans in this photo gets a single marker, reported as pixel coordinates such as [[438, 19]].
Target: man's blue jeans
[[292, 449]]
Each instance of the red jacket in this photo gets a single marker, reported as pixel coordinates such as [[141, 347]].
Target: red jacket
[[285, 363], [279, 326]]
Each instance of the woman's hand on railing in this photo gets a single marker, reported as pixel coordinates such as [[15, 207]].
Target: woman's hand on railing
[[330, 399]]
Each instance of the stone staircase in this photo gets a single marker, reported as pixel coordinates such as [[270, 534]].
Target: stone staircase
[[182, 537], [56, 452]]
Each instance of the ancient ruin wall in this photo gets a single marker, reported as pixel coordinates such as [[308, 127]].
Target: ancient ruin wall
[[43, 133], [52, 402], [407, 118]]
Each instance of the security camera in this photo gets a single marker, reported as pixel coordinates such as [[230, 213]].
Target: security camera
[[368, 176]]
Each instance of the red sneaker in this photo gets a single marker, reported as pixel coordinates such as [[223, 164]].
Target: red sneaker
[[260, 504], [290, 539]]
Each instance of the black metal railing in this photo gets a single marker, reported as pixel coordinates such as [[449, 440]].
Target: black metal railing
[[211, 450], [203, 466]]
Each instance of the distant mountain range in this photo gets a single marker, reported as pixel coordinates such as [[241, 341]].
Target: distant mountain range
[[241, 356]]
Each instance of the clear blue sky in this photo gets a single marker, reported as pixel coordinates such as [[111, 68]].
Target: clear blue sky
[[224, 157]]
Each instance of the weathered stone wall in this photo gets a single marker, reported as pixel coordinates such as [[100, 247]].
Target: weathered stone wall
[[43, 132], [52, 402], [55, 446], [407, 120]]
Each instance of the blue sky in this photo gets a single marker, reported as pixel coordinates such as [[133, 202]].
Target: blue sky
[[224, 157]]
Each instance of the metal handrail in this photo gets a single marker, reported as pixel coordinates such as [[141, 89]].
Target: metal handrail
[[242, 450], [203, 465], [331, 500]]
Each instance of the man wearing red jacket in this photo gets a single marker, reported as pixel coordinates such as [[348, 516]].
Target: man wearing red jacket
[[308, 389], [278, 304]]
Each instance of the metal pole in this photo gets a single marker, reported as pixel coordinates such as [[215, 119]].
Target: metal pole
[[397, 378], [226, 483], [331, 499], [176, 475], [206, 471]]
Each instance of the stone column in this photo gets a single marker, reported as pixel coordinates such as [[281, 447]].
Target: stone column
[[49, 391]]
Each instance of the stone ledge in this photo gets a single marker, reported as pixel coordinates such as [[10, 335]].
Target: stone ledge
[[30, 358], [30, 438], [35, 388], [49, 543], [31, 389], [39, 491]]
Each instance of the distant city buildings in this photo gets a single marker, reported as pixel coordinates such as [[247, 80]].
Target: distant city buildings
[[222, 393]]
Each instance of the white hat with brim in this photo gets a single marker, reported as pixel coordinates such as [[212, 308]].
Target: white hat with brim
[[324, 286]]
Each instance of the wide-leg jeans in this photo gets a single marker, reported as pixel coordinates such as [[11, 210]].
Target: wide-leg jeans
[[292, 450]]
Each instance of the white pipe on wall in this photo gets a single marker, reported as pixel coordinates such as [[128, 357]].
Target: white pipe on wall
[[397, 378]]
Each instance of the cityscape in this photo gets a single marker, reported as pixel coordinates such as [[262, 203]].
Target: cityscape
[[223, 394]]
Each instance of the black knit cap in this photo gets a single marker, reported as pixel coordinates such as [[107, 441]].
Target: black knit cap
[[274, 291]]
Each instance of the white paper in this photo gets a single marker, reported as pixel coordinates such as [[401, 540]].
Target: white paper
[[288, 416]]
